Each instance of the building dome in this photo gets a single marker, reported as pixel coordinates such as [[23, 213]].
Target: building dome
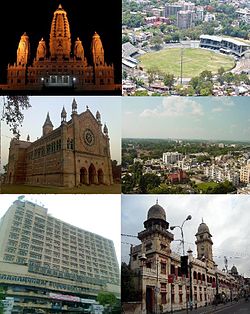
[[156, 212], [203, 228], [234, 270]]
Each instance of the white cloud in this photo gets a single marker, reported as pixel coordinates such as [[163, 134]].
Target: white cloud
[[128, 113], [174, 107], [217, 109], [224, 101]]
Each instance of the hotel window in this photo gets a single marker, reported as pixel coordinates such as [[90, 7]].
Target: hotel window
[[8, 258]]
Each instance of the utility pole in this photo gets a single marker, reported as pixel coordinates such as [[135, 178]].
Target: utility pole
[[191, 288], [181, 63]]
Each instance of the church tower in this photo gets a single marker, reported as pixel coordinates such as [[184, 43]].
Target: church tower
[[23, 50], [48, 126], [97, 50], [204, 244], [60, 37]]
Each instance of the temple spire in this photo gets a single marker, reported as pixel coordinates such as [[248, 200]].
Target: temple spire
[[60, 37]]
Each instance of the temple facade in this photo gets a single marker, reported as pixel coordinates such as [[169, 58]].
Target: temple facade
[[60, 63], [74, 154]]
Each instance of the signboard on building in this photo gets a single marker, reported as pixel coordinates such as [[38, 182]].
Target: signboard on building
[[96, 309], [88, 301], [8, 304], [64, 297]]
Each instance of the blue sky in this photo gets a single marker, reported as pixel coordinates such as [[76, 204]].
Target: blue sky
[[211, 118], [227, 217], [34, 117]]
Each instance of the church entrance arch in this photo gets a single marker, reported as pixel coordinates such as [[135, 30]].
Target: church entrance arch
[[92, 174], [83, 176], [100, 176]]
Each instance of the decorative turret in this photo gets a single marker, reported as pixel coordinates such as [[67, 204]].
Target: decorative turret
[[78, 50], [74, 106], [98, 116], [105, 130], [60, 37], [63, 115], [48, 126], [41, 50], [23, 50], [97, 50]]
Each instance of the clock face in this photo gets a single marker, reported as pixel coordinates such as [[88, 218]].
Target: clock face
[[89, 137]]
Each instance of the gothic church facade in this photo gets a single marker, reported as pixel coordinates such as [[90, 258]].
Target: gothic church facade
[[74, 154]]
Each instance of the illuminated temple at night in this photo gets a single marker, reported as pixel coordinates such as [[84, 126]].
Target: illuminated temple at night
[[61, 63]]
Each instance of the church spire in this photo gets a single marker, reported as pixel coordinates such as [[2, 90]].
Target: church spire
[[63, 115], [74, 106], [47, 126]]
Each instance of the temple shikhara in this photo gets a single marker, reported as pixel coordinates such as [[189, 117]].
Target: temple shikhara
[[60, 63]]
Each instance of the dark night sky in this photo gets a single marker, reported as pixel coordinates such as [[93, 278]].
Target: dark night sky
[[85, 17]]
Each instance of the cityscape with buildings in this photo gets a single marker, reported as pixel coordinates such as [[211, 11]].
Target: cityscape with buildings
[[113, 201], [171, 159], [186, 48], [185, 166]]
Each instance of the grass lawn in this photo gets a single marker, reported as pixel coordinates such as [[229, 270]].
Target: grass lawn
[[206, 185], [92, 189], [195, 60]]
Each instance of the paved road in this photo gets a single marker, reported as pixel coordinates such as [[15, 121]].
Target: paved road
[[240, 307]]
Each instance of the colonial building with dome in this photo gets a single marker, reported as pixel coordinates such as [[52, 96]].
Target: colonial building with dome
[[60, 63], [74, 154], [160, 279]]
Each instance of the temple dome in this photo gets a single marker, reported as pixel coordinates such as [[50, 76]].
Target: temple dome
[[156, 212]]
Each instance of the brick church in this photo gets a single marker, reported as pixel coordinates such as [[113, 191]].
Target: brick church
[[75, 153], [61, 64]]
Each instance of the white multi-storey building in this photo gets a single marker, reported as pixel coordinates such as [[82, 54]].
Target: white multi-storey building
[[44, 255], [171, 157], [218, 174], [245, 173]]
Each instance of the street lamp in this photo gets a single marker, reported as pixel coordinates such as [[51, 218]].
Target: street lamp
[[189, 217]]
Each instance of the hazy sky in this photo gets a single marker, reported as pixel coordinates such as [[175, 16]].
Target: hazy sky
[[94, 213], [227, 217], [34, 117], [226, 118]]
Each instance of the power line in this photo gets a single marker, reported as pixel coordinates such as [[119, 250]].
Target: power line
[[128, 235]]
